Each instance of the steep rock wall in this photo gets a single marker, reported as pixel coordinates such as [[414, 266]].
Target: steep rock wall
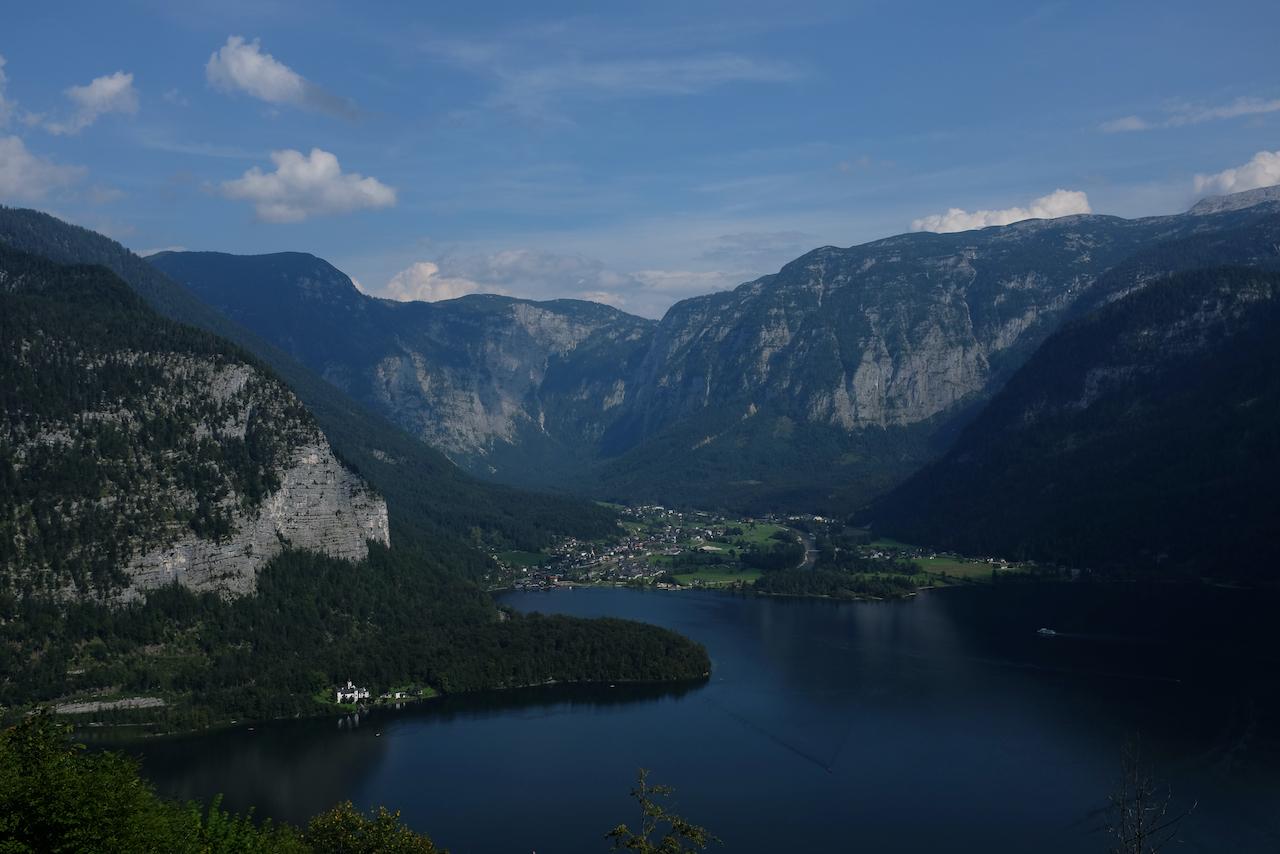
[[320, 506]]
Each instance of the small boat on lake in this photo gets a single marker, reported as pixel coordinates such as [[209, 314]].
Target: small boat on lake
[[1046, 633]]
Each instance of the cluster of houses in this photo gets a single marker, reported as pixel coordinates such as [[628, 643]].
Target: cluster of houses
[[664, 532]]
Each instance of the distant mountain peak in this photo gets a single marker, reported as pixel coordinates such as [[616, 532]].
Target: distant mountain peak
[[1235, 201]]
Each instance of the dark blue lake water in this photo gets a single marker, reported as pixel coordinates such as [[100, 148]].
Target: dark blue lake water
[[943, 723]]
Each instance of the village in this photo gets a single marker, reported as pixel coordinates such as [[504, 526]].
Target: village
[[669, 549], [659, 546]]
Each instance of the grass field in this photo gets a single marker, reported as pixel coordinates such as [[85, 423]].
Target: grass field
[[718, 575], [973, 570], [757, 533], [886, 543], [517, 558]]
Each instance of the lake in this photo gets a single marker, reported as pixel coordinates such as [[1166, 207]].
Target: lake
[[942, 723]]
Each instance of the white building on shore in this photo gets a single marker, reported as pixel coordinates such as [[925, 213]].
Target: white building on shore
[[349, 693]]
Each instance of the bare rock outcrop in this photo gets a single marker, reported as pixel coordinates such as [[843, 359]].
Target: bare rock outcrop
[[319, 506]]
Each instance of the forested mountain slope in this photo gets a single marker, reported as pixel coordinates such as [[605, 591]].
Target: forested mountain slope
[[1140, 438], [429, 500], [502, 385], [818, 387], [136, 452]]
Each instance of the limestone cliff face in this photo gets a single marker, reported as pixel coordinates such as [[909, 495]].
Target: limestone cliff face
[[901, 331], [135, 452], [497, 383], [481, 371], [888, 334], [845, 349], [319, 506]]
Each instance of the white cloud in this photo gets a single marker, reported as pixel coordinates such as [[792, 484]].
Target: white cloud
[[1056, 204], [242, 66], [514, 272], [1180, 115], [539, 275], [423, 281], [304, 185], [110, 93], [1263, 170], [24, 176]]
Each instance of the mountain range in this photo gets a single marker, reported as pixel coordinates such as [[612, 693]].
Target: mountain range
[[195, 529], [431, 503], [137, 452], [819, 387]]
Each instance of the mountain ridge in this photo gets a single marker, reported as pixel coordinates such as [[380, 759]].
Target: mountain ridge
[[1139, 439], [869, 356], [138, 453], [430, 501]]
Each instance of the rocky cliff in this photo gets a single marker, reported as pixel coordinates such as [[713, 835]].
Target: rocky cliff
[[136, 452], [319, 505], [499, 384], [819, 385]]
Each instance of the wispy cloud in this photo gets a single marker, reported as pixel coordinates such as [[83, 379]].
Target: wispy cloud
[[1125, 124], [1056, 204], [7, 107], [1180, 115], [689, 75], [515, 272], [759, 249], [162, 139], [527, 82], [110, 93], [1262, 170], [243, 66], [306, 185], [146, 253]]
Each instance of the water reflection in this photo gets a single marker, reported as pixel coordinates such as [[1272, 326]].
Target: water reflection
[[943, 723], [291, 770]]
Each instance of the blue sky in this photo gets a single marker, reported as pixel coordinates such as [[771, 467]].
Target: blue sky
[[631, 153]]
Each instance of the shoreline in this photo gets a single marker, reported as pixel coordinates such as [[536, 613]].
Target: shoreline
[[340, 714]]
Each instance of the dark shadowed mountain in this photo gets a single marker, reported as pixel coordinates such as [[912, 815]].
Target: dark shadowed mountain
[[820, 386], [511, 388], [1141, 437], [430, 502]]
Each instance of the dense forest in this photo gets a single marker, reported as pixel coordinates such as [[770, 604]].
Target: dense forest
[[112, 440], [431, 502], [834, 584], [842, 568], [1140, 439], [316, 622], [58, 798], [80, 493]]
